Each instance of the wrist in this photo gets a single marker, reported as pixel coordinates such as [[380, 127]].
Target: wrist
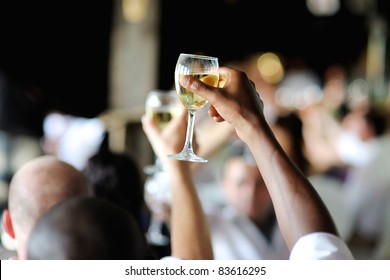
[[251, 128]]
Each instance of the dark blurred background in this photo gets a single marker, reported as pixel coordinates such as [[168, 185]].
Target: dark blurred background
[[240, 28], [63, 48]]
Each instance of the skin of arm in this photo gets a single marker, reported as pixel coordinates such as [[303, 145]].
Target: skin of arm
[[298, 207], [190, 238]]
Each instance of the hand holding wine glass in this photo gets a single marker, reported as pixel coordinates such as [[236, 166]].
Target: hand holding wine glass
[[161, 106], [205, 68]]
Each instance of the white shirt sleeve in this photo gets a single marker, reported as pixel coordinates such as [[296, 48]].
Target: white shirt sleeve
[[320, 246]]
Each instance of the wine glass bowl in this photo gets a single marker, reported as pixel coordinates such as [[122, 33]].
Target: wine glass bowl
[[161, 106], [206, 69]]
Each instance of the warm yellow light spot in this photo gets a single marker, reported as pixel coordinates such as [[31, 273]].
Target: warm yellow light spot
[[270, 68], [134, 11]]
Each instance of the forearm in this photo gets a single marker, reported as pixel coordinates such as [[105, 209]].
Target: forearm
[[298, 207], [190, 236]]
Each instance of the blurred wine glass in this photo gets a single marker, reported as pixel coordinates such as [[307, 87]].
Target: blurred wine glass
[[157, 197], [161, 106]]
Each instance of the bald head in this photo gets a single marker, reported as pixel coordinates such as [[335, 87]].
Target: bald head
[[86, 228], [36, 186]]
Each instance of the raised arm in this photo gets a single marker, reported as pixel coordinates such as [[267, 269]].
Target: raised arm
[[298, 207], [190, 236]]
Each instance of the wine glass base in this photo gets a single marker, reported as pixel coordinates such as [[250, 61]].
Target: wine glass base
[[187, 156]]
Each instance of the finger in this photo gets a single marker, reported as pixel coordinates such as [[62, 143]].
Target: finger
[[218, 118], [202, 89], [196, 86]]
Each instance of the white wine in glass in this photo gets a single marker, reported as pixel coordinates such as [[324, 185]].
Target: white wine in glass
[[161, 106], [206, 69]]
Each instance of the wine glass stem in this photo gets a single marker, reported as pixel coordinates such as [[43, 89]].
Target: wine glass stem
[[190, 130]]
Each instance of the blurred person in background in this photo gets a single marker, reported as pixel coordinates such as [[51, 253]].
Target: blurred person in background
[[364, 147], [334, 90], [300, 86], [346, 137], [116, 177], [245, 227], [71, 138], [36, 186], [288, 130], [87, 228], [22, 108]]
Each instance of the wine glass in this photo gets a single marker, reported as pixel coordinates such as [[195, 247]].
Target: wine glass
[[157, 197], [161, 106], [205, 68]]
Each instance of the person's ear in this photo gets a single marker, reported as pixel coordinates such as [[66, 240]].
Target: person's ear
[[7, 224]]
